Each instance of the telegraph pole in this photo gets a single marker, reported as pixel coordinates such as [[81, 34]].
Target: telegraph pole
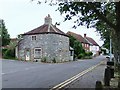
[[110, 48]]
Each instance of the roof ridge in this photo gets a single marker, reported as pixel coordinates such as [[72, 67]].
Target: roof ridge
[[53, 28], [48, 27]]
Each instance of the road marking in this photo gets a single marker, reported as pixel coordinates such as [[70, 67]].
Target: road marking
[[68, 81]]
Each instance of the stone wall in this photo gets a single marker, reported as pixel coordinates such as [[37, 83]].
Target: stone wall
[[54, 46]]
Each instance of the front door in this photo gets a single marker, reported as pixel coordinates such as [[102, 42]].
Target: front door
[[27, 56]]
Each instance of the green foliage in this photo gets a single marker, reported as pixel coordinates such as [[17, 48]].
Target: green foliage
[[71, 40], [44, 59], [79, 52], [103, 16], [19, 37], [3, 52], [54, 60], [76, 45], [82, 55], [88, 53], [85, 55], [4, 34], [88, 13], [9, 53]]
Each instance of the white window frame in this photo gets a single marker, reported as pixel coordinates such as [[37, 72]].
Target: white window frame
[[37, 48]]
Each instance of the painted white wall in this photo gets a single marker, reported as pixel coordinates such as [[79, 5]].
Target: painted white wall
[[16, 51], [94, 49]]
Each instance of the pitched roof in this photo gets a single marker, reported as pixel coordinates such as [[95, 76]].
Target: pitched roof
[[92, 41], [47, 27], [78, 37]]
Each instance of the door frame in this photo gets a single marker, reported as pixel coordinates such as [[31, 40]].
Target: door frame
[[27, 50]]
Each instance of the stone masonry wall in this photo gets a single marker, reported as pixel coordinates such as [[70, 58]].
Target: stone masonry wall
[[52, 45]]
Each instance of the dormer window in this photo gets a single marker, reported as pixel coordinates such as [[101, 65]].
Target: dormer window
[[33, 37]]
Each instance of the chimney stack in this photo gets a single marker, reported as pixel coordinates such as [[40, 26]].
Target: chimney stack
[[48, 19], [85, 35]]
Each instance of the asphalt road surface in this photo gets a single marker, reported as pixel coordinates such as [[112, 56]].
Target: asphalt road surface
[[20, 74]]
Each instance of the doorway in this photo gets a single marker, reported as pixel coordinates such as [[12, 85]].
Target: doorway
[[27, 55]]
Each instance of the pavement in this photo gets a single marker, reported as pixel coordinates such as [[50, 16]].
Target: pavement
[[89, 80]]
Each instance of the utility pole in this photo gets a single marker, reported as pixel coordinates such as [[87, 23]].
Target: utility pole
[[110, 49]]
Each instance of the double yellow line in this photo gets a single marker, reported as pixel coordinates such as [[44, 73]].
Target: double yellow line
[[68, 81]]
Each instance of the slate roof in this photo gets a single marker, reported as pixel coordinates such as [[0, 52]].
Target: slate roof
[[47, 27], [78, 37]]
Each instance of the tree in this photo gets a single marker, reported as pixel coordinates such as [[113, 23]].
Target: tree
[[71, 40], [78, 49], [76, 45], [102, 15], [4, 34], [95, 14]]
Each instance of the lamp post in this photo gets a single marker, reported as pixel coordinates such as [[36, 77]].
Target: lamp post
[[110, 49]]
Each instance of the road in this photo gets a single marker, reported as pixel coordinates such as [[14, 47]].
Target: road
[[20, 74]]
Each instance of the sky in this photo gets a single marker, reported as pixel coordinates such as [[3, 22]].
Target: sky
[[21, 16]]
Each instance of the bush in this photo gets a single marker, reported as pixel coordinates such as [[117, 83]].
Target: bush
[[54, 60], [9, 54], [44, 59], [3, 52], [85, 55], [82, 55], [88, 53]]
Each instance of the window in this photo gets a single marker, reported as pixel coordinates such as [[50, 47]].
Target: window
[[37, 52], [86, 45], [33, 37]]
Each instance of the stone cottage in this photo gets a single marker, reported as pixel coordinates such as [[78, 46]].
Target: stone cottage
[[46, 42]]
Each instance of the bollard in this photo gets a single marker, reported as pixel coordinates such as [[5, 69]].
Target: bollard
[[112, 72], [98, 85], [107, 76], [119, 84], [110, 64]]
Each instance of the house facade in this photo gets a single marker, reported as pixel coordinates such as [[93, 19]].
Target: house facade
[[94, 47], [88, 43], [45, 42], [82, 40]]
